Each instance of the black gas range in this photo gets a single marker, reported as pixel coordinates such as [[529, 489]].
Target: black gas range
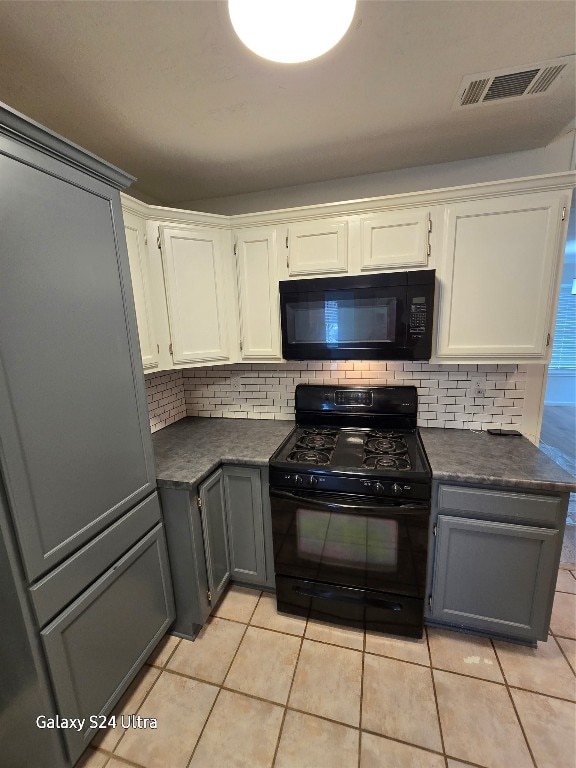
[[350, 492]]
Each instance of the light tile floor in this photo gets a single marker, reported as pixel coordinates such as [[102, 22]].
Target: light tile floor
[[257, 689]]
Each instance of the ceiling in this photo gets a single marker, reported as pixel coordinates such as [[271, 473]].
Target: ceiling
[[167, 92]]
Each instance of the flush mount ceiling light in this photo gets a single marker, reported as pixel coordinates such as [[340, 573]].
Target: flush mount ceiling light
[[291, 31]]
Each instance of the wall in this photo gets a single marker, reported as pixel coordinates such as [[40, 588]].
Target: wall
[[267, 391], [166, 398], [556, 157]]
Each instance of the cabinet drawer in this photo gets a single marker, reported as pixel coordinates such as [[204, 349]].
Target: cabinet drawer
[[520, 508], [71, 578], [95, 647]]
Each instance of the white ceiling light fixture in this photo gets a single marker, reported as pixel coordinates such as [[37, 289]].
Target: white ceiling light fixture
[[291, 31]]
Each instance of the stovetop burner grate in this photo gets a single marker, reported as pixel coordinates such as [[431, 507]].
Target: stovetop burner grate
[[309, 457], [376, 461]]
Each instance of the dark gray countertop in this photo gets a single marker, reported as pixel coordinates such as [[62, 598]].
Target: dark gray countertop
[[189, 450], [476, 457]]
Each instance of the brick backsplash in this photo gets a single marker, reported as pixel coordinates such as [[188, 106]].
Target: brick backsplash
[[166, 399], [266, 391]]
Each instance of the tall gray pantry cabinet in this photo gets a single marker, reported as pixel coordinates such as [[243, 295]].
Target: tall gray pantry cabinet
[[85, 589]]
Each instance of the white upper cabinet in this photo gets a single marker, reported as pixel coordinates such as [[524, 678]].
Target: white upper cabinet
[[317, 247], [498, 276], [197, 293], [135, 228], [257, 272], [395, 239]]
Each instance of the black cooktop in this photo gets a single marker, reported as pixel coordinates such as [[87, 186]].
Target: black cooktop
[[362, 451]]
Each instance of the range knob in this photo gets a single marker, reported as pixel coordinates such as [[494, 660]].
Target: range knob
[[378, 488], [396, 489], [297, 480], [313, 481]]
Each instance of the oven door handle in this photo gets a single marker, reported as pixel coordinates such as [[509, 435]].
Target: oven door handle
[[327, 501]]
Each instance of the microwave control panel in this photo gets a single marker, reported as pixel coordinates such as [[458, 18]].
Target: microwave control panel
[[418, 317]]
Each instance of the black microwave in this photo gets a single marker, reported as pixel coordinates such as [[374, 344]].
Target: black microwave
[[387, 316]]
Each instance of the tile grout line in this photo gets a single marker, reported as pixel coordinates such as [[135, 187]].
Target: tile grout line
[[513, 704], [431, 668], [113, 752], [562, 651], [361, 698], [289, 694], [221, 686]]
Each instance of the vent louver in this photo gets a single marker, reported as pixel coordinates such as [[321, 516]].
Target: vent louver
[[521, 82]]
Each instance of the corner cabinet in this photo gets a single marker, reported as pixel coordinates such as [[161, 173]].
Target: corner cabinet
[[220, 532], [199, 293], [499, 272], [496, 556], [258, 298]]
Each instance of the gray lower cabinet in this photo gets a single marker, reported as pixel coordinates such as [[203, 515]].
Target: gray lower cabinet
[[243, 493], [495, 575], [214, 526], [96, 645], [218, 533]]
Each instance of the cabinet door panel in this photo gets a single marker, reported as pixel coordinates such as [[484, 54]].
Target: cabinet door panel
[[195, 290], [494, 576], [135, 229], [318, 247], [75, 438], [96, 646], [213, 511], [245, 525], [395, 239], [498, 276], [258, 292]]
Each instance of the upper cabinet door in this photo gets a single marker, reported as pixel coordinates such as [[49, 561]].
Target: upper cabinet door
[[196, 293], [257, 269], [75, 445], [317, 247], [135, 229], [395, 239], [498, 277]]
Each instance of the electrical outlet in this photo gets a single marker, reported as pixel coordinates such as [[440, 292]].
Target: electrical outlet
[[478, 387], [236, 382]]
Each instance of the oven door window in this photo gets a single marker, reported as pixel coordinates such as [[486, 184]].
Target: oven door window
[[384, 551], [344, 541]]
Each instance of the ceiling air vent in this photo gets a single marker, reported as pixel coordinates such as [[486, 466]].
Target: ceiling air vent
[[520, 82]]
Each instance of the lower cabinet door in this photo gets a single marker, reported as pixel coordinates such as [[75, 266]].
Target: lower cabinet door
[[497, 577], [214, 526], [96, 645], [243, 490]]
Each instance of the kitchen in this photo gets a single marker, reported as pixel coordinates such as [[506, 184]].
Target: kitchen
[[116, 574]]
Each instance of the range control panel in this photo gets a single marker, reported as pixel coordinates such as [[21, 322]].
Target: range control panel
[[361, 486]]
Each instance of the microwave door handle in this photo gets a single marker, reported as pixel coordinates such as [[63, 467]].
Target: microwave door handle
[[328, 502]]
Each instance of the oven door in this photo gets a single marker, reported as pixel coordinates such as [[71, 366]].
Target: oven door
[[378, 545]]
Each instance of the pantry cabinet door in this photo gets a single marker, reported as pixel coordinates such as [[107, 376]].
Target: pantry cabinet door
[[498, 277], [257, 270], [317, 247], [395, 239], [135, 229], [196, 292]]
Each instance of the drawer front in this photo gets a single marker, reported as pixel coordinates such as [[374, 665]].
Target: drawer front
[[520, 508], [96, 646], [71, 578]]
